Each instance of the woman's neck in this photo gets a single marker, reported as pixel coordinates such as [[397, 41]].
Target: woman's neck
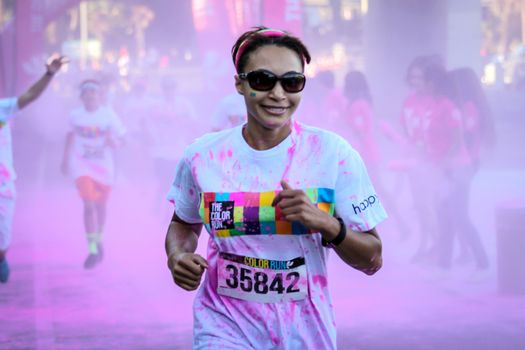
[[261, 138]]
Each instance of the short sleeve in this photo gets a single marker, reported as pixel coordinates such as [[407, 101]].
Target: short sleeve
[[8, 107], [356, 201], [185, 194]]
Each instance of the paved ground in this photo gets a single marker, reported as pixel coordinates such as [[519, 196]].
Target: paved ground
[[129, 302]]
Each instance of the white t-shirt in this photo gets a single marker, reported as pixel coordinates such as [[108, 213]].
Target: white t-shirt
[[93, 132], [8, 107], [266, 285]]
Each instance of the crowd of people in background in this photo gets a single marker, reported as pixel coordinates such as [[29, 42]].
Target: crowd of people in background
[[443, 131], [444, 128]]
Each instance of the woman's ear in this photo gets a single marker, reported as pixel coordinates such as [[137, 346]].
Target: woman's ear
[[238, 85]]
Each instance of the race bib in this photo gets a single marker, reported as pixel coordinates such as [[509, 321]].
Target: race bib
[[261, 280]]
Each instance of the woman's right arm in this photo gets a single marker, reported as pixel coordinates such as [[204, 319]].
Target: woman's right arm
[[186, 267]]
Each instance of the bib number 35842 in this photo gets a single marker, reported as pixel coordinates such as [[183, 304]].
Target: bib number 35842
[[261, 280]]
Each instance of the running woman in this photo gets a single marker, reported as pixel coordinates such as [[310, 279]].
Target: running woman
[[95, 130], [8, 108], [274, 196], [415, 112]]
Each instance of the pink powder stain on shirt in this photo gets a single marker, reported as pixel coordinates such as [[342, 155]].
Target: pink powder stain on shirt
[[194, 159], [194, 172], [211, 154], [297, 127], [275, 339], [367, 225], [320, 280], [222, 156], [293, 304], [4, 172], [255, 315], [315, 144], [313, 140], [195, 156], [291, 153], [342, 162], [230, 153], [305, 312], [192, 193], [236, 167]]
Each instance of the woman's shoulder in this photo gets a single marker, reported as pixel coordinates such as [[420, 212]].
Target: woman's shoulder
[[330, 139], [211, 141]]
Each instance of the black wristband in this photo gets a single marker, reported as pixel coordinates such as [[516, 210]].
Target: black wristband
[[341, 235]]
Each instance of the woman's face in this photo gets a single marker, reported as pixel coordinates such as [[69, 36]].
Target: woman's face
[[90, 99], [270, 109], [415, 79]]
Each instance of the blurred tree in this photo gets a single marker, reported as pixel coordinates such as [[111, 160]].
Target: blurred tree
[[502, 25]]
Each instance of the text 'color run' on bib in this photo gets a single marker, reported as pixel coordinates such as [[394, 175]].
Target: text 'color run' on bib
[[261, 280]]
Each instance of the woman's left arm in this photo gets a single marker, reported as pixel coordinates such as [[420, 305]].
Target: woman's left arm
[[361, 250]]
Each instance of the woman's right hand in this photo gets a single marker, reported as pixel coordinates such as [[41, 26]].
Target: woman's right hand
[[187, 269]]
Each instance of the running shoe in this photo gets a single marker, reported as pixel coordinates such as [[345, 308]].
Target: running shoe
[[4, 270], [91, 261]]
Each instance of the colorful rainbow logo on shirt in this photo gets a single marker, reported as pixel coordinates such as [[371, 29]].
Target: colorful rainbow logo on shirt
[[251, 213], [90, 131]]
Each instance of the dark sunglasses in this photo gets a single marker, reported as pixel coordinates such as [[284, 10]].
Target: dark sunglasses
[[264, 80]]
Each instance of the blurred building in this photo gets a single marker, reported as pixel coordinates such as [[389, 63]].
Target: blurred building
[[134, 35]]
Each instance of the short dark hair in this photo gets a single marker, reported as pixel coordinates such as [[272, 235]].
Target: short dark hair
[[254, 39]]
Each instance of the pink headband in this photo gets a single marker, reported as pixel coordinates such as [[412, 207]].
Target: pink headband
[[264, 32]]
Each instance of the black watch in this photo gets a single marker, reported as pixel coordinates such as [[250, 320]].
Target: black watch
[[340, 236]]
